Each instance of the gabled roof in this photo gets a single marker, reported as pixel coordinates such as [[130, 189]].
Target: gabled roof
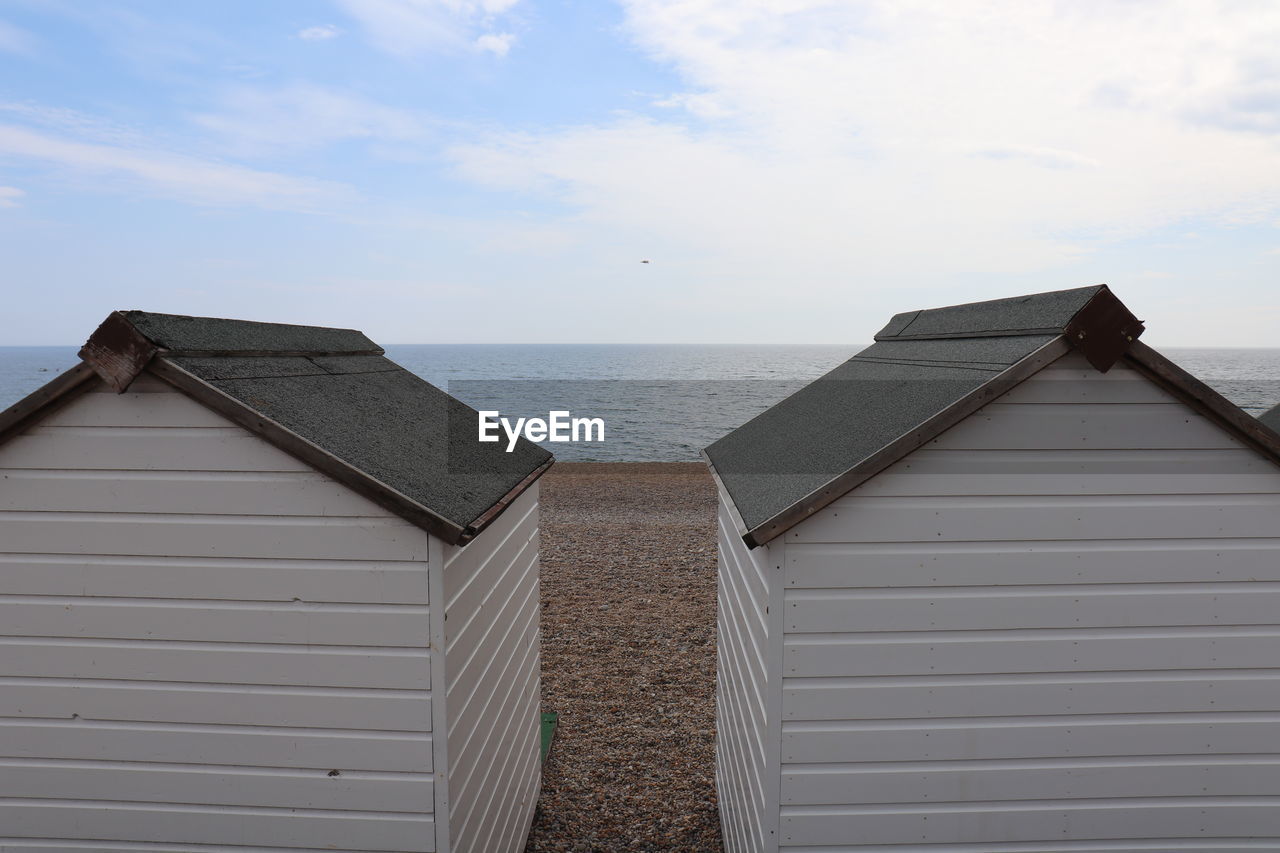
[[327, 396], [926, 371]]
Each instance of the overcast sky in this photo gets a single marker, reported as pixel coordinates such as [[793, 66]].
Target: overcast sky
[[496, 170]]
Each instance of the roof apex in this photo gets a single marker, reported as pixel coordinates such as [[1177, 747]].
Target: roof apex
[[1095, 321]]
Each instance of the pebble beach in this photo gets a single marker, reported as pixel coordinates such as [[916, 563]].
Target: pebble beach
[[628, 580]]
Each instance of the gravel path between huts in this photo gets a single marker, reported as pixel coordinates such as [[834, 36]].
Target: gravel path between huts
[[628, 658]]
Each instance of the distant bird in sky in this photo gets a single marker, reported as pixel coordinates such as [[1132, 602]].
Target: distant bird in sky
[[645, 261]]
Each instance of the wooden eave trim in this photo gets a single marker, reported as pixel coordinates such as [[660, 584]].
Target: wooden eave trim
[[317, 457], [56, 392], [738, 523], [490, 515], [1205, 400], [118, 352], [1103, 329], [842, 484]]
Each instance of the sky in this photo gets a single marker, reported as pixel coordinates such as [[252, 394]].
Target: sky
[[483, 171]]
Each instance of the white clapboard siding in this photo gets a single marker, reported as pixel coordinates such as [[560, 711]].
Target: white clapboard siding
[[492, 682], [743, 766], [1052, 628], [399, 752], [205, 642], [134, 782], [95, 577], [283, 828], [216, 704], [1041, 736], [295, 623]]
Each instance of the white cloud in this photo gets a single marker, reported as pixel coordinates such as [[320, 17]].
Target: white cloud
[[411, 27], [253, 121], [10, 196], [496, 43], [827, 143], [15, 40], [177, 176], [319, 33]]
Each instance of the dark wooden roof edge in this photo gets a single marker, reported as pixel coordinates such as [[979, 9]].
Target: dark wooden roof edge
[[842, 484], [118, 352], [1104, 329], [738, 523], [317, 457], [58, 391], [1205, 400], [487, 517]]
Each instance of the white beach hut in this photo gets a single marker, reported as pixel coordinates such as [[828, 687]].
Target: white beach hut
[[260, 588], [1007, 580]]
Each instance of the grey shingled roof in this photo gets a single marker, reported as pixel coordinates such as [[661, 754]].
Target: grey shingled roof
[[1271, 418], [363, 412], [214, 334], [922, 363]]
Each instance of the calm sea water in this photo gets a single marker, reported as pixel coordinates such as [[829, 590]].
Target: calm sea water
[[659, 402]]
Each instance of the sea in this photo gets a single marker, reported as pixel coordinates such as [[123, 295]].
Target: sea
[[658, 402]]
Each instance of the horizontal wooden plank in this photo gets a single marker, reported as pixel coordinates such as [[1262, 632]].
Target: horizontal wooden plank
[[918, 697], [968, 781], [137, 407], [207, 578], [1070, 387], [1126, 462], [322, 749], [140, 701], [186, 492], [1065, 606], [1033, 562], [1073, 472], [1011, 652], [292, 623], [1030, 737], [115, 821], [1053, 427], [1073, 365], [211, 536], [145, 449], [72, 845], [135, 782], [1199, 844], [998, 822], [214, 663], [1028, 483], [145, 383], [1013, 519]]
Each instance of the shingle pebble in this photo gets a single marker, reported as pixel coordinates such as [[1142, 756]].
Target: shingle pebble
[[628, 658]]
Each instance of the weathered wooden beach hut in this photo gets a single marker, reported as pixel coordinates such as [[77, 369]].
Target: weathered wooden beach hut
[[1006, 580], [260, 587]]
